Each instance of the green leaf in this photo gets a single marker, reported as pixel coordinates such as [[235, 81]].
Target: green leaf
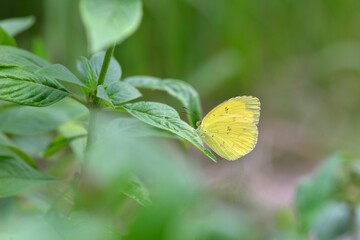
[[332, 222], [6, 39], [14, 26], [90, 70], [16, 176], [59, 143], [4, 141], [109, 21], [10, 56], [117, 93], [71, 130], [176, 88], [61, 73], [314, 193], [19, 83], [25, 120], [165, 117], [25, 88], [102, 94], [88, 73]]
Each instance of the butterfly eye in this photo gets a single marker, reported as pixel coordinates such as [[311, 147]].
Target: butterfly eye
[[198, 123]]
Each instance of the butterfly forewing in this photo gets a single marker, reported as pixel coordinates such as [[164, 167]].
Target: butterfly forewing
[[230, 128]]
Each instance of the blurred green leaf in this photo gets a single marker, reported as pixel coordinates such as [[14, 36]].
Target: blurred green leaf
[[38, 47], [59, 143], [109, 22], [16, 176], [135, 189], [216, 70], [165, 117], [33, 226], [117, 93], [77, 225], [332, 222], [216, 221], [25, 120], [14, 26], [25, 88], [134, 127], [73, 129], [315, 194], [6, 39], [61, 73], [176, 88], [80, 225], [4, 141]]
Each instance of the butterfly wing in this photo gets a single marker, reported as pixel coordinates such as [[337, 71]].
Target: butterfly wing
[[230, 128]]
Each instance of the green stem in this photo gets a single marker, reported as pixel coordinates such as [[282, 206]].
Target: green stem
[[106, 63], [109, 53], [90, 140]]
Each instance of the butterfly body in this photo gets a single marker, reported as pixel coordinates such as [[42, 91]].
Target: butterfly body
[[230, 129]]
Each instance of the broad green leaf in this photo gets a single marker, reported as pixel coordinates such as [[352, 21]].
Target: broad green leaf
[[25, 88], [109, 21], [165, 117], [6, 142], [16, 176], [6, 39], [14, 26], [113, 73], [117, 93], [25, 120], [176, 88], [61, 73], [10, 56]]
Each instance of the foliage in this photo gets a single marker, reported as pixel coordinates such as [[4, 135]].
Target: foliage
[[330, 198], [85, 155]]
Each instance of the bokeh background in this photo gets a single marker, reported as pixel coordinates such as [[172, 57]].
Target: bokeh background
[[300, 58]]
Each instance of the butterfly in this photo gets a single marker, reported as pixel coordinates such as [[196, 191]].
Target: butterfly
[[230, 129]]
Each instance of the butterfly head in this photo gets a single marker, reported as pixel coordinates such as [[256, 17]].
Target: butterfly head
[[198, 123]]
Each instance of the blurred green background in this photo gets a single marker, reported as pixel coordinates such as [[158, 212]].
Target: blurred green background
[[300, 58]]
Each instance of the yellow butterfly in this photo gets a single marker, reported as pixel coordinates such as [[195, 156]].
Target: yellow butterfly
[[230, 129]]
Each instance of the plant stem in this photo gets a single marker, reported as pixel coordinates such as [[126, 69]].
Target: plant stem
[[104, 68], [93, 106], [90, 141], [106, 62]]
